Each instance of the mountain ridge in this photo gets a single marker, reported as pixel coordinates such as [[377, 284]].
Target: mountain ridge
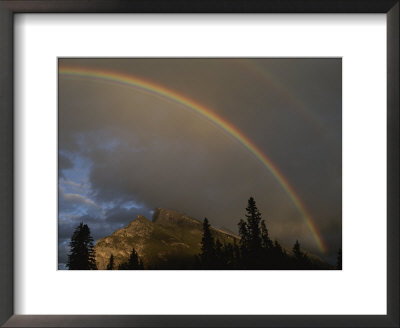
[[170, 237], [172, 240]]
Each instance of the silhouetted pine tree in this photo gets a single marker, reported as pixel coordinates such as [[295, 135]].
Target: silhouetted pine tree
[[110, 265], [276, 256], [339, 260], [134, 262], [219, 262], [82, 254], [228, 256], [207, 256], [266, 241], [251, 237], [244, 234], [236, 255], [253, 226], [302, 261], [296, 251]]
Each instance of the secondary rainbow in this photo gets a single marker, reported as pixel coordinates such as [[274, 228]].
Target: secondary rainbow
[[273, 82], [161, 91]]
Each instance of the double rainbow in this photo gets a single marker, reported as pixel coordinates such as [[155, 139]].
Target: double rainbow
[[218, 120]]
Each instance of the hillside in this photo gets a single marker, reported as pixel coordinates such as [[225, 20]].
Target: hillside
[[170, 240]]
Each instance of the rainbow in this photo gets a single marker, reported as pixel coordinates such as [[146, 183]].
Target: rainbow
[[273, 82], [232, 130]]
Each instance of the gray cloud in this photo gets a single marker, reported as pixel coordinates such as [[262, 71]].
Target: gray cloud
[[158, 153], [64, 163], [75, 201]]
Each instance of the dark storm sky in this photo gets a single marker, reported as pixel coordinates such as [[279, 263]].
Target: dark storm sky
[[124, 151]]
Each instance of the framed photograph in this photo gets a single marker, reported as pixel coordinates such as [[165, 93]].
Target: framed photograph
[[199, 164]]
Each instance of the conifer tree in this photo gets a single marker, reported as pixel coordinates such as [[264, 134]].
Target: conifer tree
[[253, 226], [82, 254], [219, 260], [207, 255], [302, 259], [339, 260], [251, 237], [236, 254], [296, 251], [228, 255], [134, 262], [266, 241], [278, 256], [110, 265], [244, 235]]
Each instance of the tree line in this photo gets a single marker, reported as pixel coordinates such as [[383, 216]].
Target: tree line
[[254, 250]]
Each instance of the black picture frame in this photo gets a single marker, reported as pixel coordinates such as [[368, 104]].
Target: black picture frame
[[10, 7]]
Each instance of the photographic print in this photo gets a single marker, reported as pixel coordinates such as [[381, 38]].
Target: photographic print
[[199, 164]]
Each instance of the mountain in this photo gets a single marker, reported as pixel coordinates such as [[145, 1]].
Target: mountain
[[170, 240]]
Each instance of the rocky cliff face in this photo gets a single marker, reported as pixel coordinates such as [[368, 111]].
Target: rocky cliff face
[[120, 243], [168, 218], [170, 238]]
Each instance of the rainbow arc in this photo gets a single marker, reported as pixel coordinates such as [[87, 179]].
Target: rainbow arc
[[161, 91]]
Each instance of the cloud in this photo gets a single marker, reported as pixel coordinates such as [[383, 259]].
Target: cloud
[[64, 163], [75, 202], [73, 187], [121, 216], [138, 147]]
